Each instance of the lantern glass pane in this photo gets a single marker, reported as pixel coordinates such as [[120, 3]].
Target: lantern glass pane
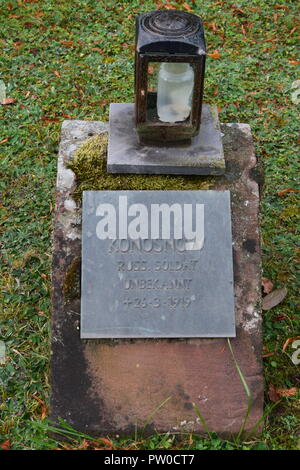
[[170, 91]]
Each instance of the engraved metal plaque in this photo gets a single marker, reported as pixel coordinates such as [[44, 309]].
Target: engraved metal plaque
[[157, 264]]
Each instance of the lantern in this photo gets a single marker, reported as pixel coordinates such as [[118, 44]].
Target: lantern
[[169, 76]]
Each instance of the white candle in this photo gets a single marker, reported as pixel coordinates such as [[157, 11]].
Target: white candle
[[174, 91]]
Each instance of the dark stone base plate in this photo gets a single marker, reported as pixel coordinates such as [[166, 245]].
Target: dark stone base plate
[[203, 156]]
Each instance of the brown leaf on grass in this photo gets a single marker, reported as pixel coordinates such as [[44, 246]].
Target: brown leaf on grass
[[8, 101], [106, 441], [281, 7], [293, 62], [215, 55], [44, 407], [5, 445], [187, 7], [269, 354], [288, 190], [3, 141], [45, 118], [274, 298], [293, 30], [84, 445], [166, 6], [288, 392], [279, 318], [211, 25], [57, 73], [272, 394], [98, 49], [267, 285], [238, 11], [67, 447], [215, 92], [67, 43], [288, 341]]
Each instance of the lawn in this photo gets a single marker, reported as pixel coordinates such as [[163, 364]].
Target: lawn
[[63, 59]]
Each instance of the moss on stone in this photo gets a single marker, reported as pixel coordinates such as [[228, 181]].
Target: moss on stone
[[89, 166], [71, 285]]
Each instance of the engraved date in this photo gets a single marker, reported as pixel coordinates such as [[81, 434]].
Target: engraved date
[[172, 302]]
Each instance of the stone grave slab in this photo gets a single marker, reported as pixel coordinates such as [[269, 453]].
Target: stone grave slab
[[111, 386], [154, 264], [204, 156]]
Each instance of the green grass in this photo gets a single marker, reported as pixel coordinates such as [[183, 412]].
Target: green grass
[[63, 58]]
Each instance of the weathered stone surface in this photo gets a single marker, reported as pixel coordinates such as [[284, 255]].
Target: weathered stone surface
[[110, 386], [151, 287], [204, 156]]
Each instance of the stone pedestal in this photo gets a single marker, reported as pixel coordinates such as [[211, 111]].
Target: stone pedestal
[[203, 156], [111, 386]]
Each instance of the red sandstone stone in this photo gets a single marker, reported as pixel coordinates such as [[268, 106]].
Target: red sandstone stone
[[102, 386]]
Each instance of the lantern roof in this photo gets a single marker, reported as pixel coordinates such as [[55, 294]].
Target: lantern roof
[[169, 32]]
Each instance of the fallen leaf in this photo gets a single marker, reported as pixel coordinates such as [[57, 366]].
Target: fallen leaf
[[215, 55], [281, 7], [67, 447], [215, 92], [272, 394], [18, 44], [3, 141], [67, 116], [238, 11], [105, 441], [293, 30], [44, 407], [289, 392], [288, 341], [84, 445], [44, 118], [187, 7], [5, 445], [267, 285], [67, 43], [57, 73], [293, 62], [211, 26], [279, 318], [166, 6], [98, 49], [274, 298], [288, 190], [8, 101], [268, 354]]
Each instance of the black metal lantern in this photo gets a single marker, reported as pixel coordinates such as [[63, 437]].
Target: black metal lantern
[[169, 76]]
